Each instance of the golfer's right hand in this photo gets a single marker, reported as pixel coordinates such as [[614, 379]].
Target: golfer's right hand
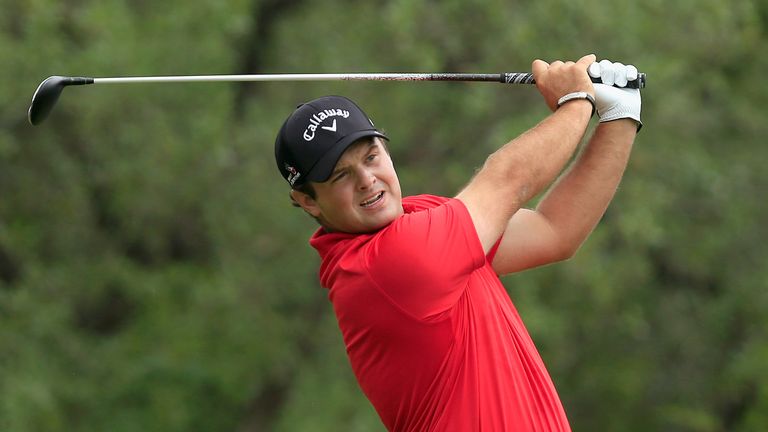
[[615, 102], [559, 78]]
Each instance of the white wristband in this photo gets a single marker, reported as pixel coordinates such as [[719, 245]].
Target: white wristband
[[577, 96]]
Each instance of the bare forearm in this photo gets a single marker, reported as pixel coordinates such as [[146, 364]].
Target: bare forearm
[[522, 168], [547, 148], [575, 204], [536, 157]]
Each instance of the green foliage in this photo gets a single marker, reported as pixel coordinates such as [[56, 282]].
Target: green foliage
[[153, 275]]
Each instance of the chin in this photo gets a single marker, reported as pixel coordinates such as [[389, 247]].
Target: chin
[[384, 219]]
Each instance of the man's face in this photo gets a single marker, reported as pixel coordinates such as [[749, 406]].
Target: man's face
[[363, 193]]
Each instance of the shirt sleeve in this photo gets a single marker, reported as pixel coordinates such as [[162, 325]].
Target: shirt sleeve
[[423, 260]]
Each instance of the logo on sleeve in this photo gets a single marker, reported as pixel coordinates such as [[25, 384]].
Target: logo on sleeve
[[317, 119]]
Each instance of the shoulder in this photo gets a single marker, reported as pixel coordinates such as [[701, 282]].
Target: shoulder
[[422, 202]]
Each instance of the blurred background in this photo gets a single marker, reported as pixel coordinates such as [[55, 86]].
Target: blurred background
[[154, 277]]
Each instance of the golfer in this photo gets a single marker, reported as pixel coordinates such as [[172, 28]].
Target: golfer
[[432, 336]]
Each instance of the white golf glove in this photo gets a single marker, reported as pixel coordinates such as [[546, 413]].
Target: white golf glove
[[615, 103]]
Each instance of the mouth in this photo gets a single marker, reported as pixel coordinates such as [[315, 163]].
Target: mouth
[[370, 202]]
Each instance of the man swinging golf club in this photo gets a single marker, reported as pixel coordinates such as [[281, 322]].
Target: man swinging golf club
[[432, 336]]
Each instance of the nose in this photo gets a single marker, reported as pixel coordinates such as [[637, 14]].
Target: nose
[[367, 179]]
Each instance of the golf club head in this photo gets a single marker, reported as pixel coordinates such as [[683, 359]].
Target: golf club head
[[48, 93]]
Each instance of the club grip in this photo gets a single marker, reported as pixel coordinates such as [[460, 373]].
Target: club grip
[[527, 78]]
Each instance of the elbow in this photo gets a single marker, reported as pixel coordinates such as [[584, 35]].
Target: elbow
[[562, 247], [567, 251], [566, 255]]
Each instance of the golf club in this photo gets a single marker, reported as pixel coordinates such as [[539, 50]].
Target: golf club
[[50, 89]]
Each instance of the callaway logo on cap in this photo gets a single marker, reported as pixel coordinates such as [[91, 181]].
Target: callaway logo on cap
[[317, 119], [315, 135]]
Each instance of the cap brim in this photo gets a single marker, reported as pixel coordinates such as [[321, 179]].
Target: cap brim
[[324, 167]]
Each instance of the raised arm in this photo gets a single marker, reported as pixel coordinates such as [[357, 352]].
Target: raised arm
[[572, 208], [522, 168]]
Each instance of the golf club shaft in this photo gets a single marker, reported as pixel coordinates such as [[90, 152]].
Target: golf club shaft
[[306, 77], [507, 77]]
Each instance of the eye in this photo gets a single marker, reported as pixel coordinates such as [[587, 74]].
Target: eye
[[339, 176], [371, 157]]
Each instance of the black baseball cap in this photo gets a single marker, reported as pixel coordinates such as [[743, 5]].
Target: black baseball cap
[[315, 135]]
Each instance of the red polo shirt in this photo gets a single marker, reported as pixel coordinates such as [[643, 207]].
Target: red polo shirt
[[431, 333]]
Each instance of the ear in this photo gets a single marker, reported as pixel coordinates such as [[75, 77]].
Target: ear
[[306, 202]]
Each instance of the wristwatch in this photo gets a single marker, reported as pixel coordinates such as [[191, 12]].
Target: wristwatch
[[576, 96]]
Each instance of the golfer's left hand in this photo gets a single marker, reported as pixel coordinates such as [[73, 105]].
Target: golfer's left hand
[[560, 78], [615, 103]]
